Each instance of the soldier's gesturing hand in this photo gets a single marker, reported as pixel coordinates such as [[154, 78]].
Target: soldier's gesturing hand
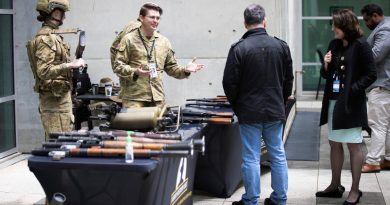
[[142, 71], [193, 67], [76, 63]]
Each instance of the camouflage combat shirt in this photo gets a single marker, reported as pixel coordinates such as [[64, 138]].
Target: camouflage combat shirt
[[132, 54], [54, 79]]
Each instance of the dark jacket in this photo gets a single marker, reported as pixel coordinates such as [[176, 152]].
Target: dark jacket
[[350, 109], [258, 77]]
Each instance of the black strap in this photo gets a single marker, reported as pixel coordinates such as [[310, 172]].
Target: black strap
[[147, 51]]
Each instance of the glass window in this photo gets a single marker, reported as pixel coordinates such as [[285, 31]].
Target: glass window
[[317, 32], [7, 126], [6, 56], [316, 35], [6, 4], [311, 78], [325, 7]]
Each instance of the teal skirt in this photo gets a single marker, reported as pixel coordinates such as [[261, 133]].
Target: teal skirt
[[350, 135]]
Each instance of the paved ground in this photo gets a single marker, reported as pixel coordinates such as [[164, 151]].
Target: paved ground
[[18, 186]]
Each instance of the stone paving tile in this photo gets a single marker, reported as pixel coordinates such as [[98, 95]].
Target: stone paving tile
[[18, 186]]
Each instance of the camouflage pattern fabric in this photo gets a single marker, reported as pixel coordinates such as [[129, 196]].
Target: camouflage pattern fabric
[[131, 26], [132, 54], [53, 81], [138, 104]]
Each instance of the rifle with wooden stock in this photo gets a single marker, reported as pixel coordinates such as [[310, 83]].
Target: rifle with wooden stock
[[112, 135], [196, 145], [207, 114], [76, 138], [210, 120], [58, 154], [209, 104], [217, 99]]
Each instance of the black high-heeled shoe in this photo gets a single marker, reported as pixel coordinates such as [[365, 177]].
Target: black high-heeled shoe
[[336, 193], [357, 200]]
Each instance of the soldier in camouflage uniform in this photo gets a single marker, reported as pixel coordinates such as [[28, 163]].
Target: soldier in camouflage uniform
[[141, 57], [52, 68]]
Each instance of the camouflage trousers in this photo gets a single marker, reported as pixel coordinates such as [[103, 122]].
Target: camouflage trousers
[[56, 113], [56, 122]]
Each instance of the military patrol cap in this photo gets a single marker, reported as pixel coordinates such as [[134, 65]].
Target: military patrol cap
[[47, 6]]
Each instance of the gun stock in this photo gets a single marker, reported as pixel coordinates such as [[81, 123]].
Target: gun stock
[[211, 120]]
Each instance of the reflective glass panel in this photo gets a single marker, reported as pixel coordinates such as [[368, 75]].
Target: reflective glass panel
[[325, 7], [311, 78], [5, 4], [6, 56], [7, 126]]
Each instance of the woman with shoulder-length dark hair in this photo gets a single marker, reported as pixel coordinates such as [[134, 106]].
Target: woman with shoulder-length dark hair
[[348, 69]]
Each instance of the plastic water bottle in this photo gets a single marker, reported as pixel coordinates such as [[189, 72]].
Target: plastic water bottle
[[129, 156]]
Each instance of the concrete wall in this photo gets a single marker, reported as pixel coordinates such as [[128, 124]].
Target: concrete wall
[[198, 28]]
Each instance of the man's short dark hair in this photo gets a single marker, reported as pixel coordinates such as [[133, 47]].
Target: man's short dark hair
[[150, 6], [370, 9], [254, 14]]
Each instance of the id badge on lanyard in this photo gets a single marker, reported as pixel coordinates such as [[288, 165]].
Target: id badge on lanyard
[[152, 69], [336, 85]]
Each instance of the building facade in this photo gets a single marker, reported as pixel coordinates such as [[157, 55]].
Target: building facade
[[205, 32]]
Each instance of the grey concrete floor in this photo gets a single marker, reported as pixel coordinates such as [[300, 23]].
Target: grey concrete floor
[[18, 186]]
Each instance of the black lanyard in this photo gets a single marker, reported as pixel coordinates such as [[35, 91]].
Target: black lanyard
[[147, 51]]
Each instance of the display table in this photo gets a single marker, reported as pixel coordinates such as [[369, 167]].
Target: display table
[[218, 171], [110, 181]]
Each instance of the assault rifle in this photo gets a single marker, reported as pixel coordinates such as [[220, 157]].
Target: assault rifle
[[209, 104], [217, 99], [76, 138], [187, 112], [111, 135]]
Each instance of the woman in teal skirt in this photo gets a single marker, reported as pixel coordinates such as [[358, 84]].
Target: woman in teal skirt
[[348, 69]]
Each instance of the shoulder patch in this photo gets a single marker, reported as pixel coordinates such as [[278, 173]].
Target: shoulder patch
[[121, 46]]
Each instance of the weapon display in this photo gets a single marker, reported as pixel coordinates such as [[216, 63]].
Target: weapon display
[[149, 118], [76, 138], [113, 135], [207, 114], [58, 154], [210, 120], [106, 144], [209, 104], [217, 99], [196, 145]]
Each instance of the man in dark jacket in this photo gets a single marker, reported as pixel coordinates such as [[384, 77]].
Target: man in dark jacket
[[257, 81]]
